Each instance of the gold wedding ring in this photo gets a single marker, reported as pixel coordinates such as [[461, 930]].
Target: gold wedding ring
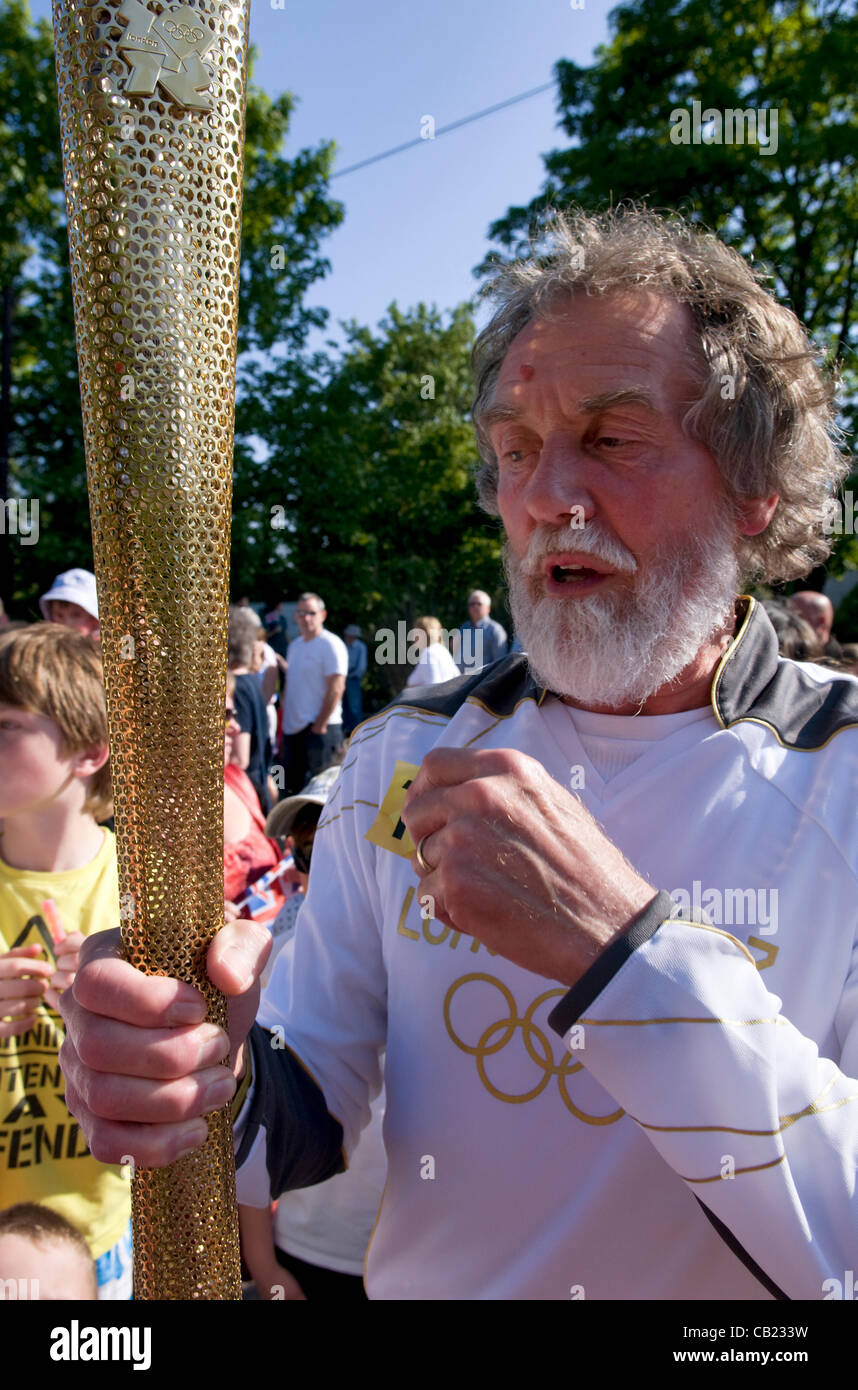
[[420, 860]]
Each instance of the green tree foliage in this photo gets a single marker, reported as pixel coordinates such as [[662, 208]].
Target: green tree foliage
[[40, 387], [370, 480], [794, 209], [30, 159], [285, 205]]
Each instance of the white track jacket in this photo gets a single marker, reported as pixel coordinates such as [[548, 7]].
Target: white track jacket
[[685, 1125]]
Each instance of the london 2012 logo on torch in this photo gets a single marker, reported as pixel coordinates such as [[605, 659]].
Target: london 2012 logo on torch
[[166, 50]]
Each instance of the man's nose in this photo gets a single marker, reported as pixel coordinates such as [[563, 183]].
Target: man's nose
[[561, 484]]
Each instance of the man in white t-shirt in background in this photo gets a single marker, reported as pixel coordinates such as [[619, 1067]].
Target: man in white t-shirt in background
[[313, 715]]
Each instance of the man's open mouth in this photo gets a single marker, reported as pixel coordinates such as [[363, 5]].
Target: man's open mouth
[[564, 574], [574, 573]]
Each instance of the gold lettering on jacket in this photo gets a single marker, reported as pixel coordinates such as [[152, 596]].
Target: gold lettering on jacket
[[434, 938]]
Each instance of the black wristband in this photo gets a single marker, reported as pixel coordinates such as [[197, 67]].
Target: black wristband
[[603, 970]]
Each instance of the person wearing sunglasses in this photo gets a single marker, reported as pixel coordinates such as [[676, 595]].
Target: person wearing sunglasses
[[482, 640], [318, 664]]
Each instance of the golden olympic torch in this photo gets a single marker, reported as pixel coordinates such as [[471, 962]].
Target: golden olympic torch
[[152, 120]]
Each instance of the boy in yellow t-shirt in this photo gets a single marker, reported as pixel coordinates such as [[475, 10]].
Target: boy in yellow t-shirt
[[58, 883]]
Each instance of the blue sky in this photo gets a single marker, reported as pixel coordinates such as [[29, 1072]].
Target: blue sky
[[365, 74]]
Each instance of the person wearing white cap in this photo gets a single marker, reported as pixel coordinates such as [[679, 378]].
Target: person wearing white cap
[[72, 601]]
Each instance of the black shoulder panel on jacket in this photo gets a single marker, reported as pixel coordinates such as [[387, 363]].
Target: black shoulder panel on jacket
[[303, 1141], [753, 683], [499, 687]]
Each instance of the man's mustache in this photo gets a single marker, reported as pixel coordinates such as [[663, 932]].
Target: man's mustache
[[594, 540]]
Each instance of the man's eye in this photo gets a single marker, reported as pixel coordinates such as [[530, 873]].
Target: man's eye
[[610, 441]]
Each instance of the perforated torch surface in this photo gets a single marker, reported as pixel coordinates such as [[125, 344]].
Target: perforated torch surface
[[152, 113]]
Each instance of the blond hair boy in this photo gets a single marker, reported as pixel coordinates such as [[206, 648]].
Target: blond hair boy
[[58, 883]]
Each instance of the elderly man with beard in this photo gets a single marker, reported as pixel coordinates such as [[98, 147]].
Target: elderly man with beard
[[639, 839]]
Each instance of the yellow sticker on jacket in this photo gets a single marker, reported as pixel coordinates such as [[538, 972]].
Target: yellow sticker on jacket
[[388, 829]]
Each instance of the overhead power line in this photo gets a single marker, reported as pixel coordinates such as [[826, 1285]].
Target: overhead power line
[[443, 130]]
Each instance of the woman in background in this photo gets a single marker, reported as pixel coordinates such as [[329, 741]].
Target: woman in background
[[435, 663]]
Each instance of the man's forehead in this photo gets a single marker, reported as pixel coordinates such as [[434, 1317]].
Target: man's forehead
[[596, 403], [639, 337]]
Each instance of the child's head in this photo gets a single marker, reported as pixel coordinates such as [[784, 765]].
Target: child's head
[[72, 601], [303, 834], [298, 816], [53, 720], [44, 1256]]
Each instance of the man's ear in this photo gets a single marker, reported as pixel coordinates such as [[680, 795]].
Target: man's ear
[[755, 513], [90, 760]]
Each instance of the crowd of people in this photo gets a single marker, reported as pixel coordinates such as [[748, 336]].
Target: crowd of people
[[412, 889]]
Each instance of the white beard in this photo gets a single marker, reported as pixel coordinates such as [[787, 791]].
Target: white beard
[[619, 648]]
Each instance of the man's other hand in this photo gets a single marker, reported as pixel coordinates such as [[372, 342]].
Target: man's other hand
[[518, 862]]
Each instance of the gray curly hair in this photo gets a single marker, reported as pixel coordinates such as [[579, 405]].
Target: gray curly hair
[[776, 434]]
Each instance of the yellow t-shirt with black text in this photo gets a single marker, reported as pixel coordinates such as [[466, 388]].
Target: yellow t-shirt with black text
[[43, 1153]]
